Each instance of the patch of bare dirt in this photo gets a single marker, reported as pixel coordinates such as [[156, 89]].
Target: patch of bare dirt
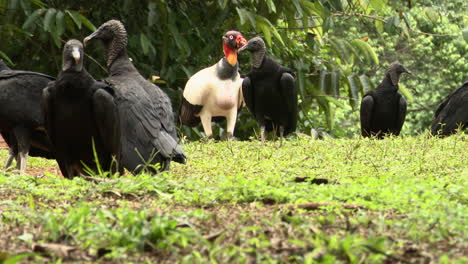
[[3, 144], [42, 172]]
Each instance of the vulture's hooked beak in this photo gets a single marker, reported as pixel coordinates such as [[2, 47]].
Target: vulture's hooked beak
[[90, 37], [245, 47], [405, 70], [76, 54]]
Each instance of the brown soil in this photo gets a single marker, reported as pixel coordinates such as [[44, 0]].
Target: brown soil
[[3, 144], [38, 172]]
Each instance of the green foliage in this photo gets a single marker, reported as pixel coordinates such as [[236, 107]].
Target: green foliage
[[339, 49], [234, 206]]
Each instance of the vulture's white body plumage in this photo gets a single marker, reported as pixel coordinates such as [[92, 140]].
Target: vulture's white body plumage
[[217, 96], [215, 91]]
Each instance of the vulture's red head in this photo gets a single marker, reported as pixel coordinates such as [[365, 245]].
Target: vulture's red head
[[232, 41]]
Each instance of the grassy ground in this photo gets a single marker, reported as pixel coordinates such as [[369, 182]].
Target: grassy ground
[[234, 203]]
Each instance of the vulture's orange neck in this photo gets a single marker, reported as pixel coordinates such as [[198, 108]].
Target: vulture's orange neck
[[230, 54]]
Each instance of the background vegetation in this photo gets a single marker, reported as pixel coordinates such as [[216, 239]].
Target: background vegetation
[[338, 48], [236, 202]]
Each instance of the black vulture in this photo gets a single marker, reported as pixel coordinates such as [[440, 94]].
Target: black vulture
[[21, 118], [383, 110], [215, 91], [148, 132], [270, 92], [452, 113], [81, 118]]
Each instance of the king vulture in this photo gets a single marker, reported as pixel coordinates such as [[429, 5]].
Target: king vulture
[[383, 110], [270, 92], [80, 117], [148, 134], [21, 117], [215, 91]]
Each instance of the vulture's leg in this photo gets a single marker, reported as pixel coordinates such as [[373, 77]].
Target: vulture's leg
[[231, 123], [11, 156], [281, 132], [23, 141], [262, 133], [206, 122], [166, 164]]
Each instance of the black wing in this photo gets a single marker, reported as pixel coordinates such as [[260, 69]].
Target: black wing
[[367, 107], [48, 101], [162, 107], [248, 94], [14, 73], [452, 112], [142, 135], [107, 119], [401, 115], [289, 92]]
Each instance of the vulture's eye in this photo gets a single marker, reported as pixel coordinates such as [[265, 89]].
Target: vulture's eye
[[231, 37]]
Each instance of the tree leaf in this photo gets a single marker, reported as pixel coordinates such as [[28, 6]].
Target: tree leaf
[[323, 81], [87, 23], [269, 29], [75, 16], [327, 24], [181, 42], [145, 43], [336, 4], [60, 23], [271, 6], [379, 25], [266, 31], [38, 3], [152, 14], [70, 25], [32, 18], [377, 4], [5, 57], [245, 15], [353, 91], [366, 50], [391, 23], [365, 83], [465, 34], [406, 92], [334, 101], [432, 14], [49, 19], [298, 7], [335, 80], [406, 19], [56, 39], [340, 48]]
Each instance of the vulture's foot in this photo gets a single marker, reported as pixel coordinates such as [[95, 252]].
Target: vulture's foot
[[262, 134], [207, 139], [10, 159], [230, 136]]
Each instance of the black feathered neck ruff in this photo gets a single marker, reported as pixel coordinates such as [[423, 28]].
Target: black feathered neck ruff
[[387, 84], [225, 71]]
